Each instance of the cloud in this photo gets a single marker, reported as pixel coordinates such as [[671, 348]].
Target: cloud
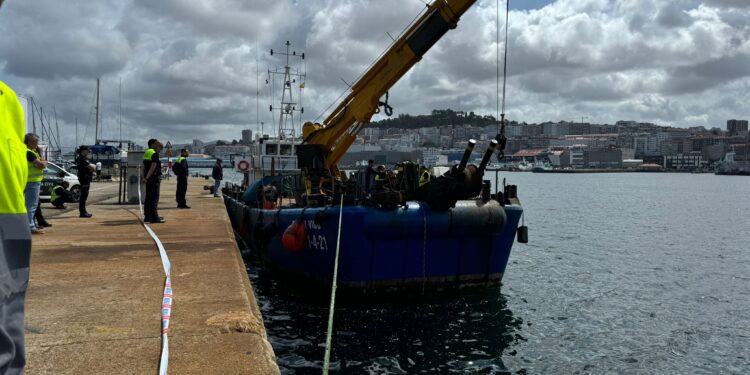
[[189, 69], [45, 45]]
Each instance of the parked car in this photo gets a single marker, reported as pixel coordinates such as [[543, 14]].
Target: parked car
[[54, 175]]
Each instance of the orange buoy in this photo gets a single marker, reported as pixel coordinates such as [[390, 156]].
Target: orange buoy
[[295, 237]]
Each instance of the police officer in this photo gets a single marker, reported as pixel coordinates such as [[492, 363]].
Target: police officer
[[15, 234], [60, 195], [370, 174], [182, 171], [152, 178], [85, 174], [425, 177]]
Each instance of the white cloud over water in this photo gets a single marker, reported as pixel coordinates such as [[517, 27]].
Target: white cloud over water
[[189, 68]]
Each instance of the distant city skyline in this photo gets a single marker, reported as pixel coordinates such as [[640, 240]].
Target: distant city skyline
[[189, 71]]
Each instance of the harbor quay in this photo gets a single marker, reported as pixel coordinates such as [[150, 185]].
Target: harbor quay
[[94, 302]]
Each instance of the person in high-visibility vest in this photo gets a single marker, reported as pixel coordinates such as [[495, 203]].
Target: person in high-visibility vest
[[15, 236], [60, 195], [34, 181], [152, 177], [425, 177], [181, 170]]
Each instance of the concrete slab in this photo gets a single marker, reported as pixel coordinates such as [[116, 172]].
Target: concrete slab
[[94, 299]]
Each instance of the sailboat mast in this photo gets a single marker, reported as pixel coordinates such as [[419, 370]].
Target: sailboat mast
[[33, 116], [257, 90], [96, 129], [120, 111], [57, 131], [41, 117]]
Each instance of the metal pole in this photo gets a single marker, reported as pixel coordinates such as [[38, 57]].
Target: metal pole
[[120, 111], [96, 130], [33, 117]]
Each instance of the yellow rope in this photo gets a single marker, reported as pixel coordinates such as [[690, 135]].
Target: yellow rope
[[326, 360]]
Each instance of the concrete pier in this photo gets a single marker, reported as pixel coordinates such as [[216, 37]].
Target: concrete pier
[[94, 299]]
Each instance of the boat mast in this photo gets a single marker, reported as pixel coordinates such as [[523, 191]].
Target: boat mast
[[287, 128], [33, 116], [120, 111], [96, 129], [258, 124]]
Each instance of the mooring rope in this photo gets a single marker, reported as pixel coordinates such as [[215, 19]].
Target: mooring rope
[[327, 359]]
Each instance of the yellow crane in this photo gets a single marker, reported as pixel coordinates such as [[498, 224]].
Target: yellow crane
[[325, 143]]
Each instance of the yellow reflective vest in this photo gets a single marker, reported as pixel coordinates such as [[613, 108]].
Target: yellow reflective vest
[[13, 167], [148, 154], [53, 197], [424, 178], [35, 174]]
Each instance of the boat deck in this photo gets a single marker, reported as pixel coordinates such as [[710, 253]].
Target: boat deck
[[94, 299]]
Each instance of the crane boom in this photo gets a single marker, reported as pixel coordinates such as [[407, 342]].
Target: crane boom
[[326, 143]]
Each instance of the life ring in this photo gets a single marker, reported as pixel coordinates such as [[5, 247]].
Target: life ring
[[243, 166]]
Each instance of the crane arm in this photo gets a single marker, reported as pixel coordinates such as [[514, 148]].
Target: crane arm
[[334, 136]]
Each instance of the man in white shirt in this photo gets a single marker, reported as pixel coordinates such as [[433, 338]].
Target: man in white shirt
[[98, 171]]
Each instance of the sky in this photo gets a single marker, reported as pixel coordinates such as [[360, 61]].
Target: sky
[[189, 69]]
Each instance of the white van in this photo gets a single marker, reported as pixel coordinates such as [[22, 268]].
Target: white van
[[54, 175]]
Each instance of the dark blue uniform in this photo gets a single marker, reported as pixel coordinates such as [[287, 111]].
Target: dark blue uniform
[[153, 184], [84, 177]]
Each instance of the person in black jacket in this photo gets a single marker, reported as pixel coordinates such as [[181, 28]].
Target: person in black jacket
[[152, 178], [217, 174], [85, 175], [181, 170], [370, 173]]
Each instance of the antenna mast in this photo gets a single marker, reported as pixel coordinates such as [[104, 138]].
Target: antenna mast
[[287, 128]]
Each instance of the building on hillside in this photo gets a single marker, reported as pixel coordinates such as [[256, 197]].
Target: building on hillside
[[228, 152], [530, 155], [433, 156], [602, 158], [685, 161], [555, 157], [736, 127], [198, 147], [573, 156], [247, 136]]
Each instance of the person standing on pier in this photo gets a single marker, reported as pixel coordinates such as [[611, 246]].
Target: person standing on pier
[[217, 174], [34, 181], [182, 171], [370, 176], [98, 171], [41, 222], [85, 174], [152, 178], [15, 234]]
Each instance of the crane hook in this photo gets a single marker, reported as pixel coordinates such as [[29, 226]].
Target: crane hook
[[386, 107]]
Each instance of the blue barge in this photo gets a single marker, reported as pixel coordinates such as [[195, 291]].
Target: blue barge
[[403, 247]]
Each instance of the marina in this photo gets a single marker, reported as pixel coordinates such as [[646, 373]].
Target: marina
[[375, 187]]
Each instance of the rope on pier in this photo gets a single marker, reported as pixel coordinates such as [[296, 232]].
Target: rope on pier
[[166, 301], [326, 360]]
